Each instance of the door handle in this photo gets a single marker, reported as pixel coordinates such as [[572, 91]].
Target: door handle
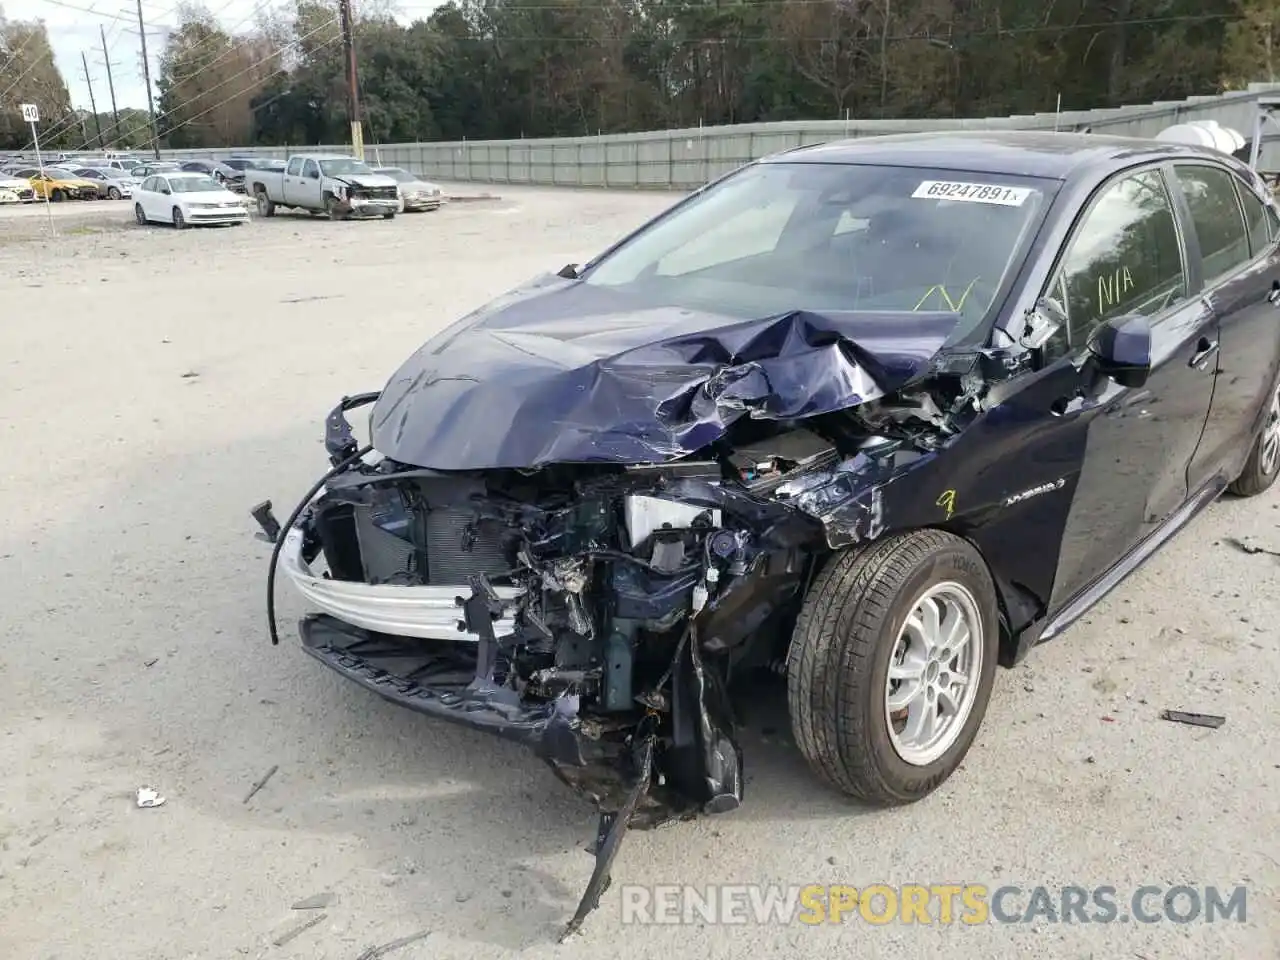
[[1205, 349]]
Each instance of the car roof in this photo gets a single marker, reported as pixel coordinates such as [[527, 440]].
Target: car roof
[[182, 175], [1031, 153], [320, 156]]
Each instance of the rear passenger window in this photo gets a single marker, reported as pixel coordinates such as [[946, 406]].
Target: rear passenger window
[[1224, 240], [1255, 216], [1124, 258]]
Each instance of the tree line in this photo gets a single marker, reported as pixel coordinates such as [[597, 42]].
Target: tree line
[[484, 69]]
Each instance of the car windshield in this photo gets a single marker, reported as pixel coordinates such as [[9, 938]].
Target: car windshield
[[396, 174], [344, 167], [778, 237], [193, 185]]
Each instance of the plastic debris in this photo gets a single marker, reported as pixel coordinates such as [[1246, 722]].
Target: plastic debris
[[261, 782], [316, 902], [374, 952], [300, 929], [149, 797], [1213, 721]]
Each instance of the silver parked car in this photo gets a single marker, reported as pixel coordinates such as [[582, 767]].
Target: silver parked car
[[113, 184], [415, 192]]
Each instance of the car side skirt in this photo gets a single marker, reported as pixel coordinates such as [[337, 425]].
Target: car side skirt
[[1086, 599]]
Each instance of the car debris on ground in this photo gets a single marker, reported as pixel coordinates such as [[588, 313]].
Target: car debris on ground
[[262, 782], [1210, 720]]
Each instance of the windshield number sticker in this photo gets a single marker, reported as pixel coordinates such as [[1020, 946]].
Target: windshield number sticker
[[972, 192]]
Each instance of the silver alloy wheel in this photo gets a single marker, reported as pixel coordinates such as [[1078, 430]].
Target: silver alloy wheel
[[262, 203], [1271, 437], [933, 673]]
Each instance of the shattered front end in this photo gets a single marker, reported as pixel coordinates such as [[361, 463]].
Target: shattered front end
[[563, 608], [590, 590]]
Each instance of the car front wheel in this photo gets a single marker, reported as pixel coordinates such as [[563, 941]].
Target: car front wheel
[[1263, 466], [139, 214], [179, 221], [891, 665], [113, 193]]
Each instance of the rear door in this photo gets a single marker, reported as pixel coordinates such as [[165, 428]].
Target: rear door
[[1236, 235], [1127, 256]]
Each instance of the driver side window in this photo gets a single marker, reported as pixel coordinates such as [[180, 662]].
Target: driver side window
[[1125, 257], [310, 169]]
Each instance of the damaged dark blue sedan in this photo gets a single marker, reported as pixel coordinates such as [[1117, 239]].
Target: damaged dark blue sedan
[[887, 412]]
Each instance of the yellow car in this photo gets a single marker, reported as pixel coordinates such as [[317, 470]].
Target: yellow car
[[56, 184]]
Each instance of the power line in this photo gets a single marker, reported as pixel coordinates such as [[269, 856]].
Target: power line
[[31, 35], [240, 93], [70, 121], [118, 18], [232, 44], [252, 66], [34, 63]]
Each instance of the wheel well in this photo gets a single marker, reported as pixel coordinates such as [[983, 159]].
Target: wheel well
[[1008, 640]]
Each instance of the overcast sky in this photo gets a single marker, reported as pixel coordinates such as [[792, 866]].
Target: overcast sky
[[74, 27]]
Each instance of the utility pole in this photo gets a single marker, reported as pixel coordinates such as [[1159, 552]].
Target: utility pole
[[353, 81], [146, 78], [106, 59], [93, 104]]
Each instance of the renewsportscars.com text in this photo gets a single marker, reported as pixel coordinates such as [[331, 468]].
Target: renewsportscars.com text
[[942, 904]]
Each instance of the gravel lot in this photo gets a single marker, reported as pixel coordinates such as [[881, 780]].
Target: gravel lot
[[157, 384]]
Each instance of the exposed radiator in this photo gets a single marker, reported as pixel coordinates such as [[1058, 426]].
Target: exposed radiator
[[448, 562]]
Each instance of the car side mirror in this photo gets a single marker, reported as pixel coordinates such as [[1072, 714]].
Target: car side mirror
[[568, 272], [1121, 349]]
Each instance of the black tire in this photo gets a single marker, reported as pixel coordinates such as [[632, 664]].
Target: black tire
[[388, 216], [113, 193], [57, 196], [265, 207], [139, 215], [1263, 466], [179, 221], [332, 209], [837, 666]]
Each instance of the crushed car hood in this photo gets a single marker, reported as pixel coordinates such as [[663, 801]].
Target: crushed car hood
[[561, 371]]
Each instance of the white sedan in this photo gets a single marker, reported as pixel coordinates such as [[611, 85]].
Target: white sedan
[[186, 199]]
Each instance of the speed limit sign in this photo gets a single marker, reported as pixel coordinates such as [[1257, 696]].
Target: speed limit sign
[[30, 113]]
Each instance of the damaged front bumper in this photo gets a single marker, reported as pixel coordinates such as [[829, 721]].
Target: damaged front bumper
[[594, 614]]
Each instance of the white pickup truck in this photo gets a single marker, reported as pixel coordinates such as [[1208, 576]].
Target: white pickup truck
[[340, 186]]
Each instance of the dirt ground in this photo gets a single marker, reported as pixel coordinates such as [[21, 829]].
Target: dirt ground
[[154, 385]]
